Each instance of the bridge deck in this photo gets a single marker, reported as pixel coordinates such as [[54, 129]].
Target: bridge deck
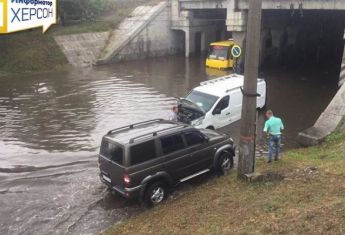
[[267, 4]]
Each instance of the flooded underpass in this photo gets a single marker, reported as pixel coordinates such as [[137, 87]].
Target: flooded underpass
[[52, 123]]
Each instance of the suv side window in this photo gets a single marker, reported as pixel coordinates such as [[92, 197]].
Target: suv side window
[[223, 103], [194, 138], [112, 152], [143, 152], [172, 143]]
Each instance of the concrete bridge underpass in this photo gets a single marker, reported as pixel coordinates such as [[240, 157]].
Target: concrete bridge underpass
[[310, 29], [296, 34]]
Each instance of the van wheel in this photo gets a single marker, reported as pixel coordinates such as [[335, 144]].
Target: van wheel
[[225, 163], [155, 194]]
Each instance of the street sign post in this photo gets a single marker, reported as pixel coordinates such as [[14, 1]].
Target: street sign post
[[236, 51]]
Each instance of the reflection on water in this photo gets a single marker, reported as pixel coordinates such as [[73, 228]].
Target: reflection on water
[[69, 112], [51, 125]]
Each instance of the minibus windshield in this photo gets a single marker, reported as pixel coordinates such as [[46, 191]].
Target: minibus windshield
[[218, 52]]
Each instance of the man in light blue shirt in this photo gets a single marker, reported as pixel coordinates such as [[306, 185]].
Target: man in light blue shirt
[[273, 127]]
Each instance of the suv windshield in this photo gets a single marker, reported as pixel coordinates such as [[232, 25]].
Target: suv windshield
[[202, 100]]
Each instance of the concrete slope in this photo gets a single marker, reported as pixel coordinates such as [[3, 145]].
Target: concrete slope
[[330, 118], [327, 122], [128, 30], [342, 70], [83, 49]]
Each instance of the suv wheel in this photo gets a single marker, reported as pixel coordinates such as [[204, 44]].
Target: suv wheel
[[225, 163], [155, 194]]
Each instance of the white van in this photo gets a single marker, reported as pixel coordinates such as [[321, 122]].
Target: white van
[[217, 103]]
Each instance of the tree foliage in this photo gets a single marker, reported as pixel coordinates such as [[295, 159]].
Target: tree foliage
[[82, 10]]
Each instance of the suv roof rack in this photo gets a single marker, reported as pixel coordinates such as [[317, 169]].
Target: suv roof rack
[[221, 79], [133, 125], [132, 140]]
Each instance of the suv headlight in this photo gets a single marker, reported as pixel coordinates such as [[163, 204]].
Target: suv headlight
[[197, 122]]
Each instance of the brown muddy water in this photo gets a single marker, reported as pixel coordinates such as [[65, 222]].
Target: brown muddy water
[[51, 125]]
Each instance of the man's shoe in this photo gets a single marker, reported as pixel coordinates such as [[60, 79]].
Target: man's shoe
[[269, 161], [276, 159]]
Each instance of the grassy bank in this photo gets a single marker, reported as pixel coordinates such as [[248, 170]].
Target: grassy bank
[[32, 51], [309, 200], [108, 20]]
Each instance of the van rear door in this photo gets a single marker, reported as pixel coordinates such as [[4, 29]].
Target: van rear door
[[261, 100], [111, 164]]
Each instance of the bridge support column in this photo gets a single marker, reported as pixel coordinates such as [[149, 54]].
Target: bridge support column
[[190, 42], [175, 10], [342, 69], [236, 23], [273, 45], [240, 39]]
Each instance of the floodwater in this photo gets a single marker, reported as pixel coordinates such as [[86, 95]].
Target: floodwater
[[51, 125]]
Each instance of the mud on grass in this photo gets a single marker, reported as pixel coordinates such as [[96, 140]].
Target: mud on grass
[[309, 200]]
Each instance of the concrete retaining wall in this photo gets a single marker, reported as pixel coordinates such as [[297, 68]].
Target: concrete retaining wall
[[146, 33], [82, 50], [342, 69], [327, 122], [266, 4], [330, 118]]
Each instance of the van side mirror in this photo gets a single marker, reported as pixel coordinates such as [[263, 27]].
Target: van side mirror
[[206, 139], [217, 111]]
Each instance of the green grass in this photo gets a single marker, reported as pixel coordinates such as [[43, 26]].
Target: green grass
[[309, 200], [32, 51], [106, 22]]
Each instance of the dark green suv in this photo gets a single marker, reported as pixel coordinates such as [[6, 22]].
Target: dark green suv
[[145, 159]]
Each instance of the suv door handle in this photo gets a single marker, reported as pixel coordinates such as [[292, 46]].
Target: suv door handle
[[228, 114]]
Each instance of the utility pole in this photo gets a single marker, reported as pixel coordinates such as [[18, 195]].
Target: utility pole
[[246, 162]]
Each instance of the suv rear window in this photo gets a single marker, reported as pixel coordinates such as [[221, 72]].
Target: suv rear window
[[112, 152], [172, 143], [143, 152]]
